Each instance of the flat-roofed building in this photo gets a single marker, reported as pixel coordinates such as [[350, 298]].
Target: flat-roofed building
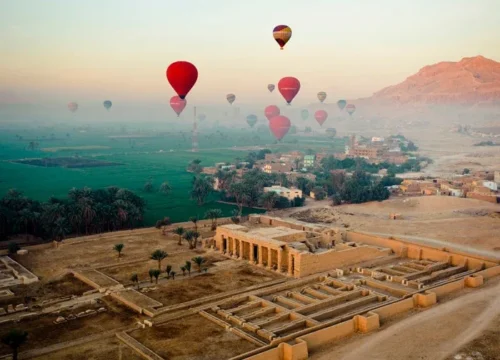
[[290, 194]]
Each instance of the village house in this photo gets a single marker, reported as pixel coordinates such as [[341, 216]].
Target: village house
[[277, 168], [309, 161], [294, 175], [290, 194]]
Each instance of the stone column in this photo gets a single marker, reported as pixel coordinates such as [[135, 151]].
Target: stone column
[[250, 255], [269, 258], [260, 256], [280, 250], [241, 250]]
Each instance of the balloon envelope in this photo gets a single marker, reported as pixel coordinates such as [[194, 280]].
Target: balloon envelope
[[341, 104], [182, 76], [271, 111], [279, 126], [289, 88], [351, 108], [73, 106], [321, 96], [270, 87], [304, 114], [107, 104], [252, 120], [230, 98], [282, 33], [177, 104], [321, 116]]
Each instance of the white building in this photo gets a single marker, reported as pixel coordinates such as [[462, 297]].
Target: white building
[[290, 194], [491, 185]]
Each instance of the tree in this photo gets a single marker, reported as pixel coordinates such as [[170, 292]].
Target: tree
[[151, 274], [168, 270], [118, 248], [173, 275], [319, 193], [13, 247], [235, 217], [159, 255], [269, 199], [239, 191], [466, 171], [213, 214], [135, 279], [188, 267], [60, 229], [148, 186], [196, 235], [156, 274], [189, 236], [198, 260], [194, 220], [194, 166], [183, 269], [202, 186], [179, 231], [296, 161], [165, 188], [15, 338]]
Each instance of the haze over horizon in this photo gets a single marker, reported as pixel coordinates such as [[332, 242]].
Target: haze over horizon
[[54, 51]]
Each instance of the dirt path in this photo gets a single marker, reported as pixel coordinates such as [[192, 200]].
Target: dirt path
[[433, 334]]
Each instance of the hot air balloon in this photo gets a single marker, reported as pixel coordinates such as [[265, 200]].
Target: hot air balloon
[[279, 126], [282, 33], [271, 111], [289, 88], [304, 114], [341, 104], [73, 106], [182, 76], [251, 120], [230, 98], [331, 131], [321, 96], [202, 117], [320, 116], [177, 104], [107, 104], [270, 87], [351, 108]]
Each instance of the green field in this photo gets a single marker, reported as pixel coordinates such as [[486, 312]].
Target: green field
[[161, 156]]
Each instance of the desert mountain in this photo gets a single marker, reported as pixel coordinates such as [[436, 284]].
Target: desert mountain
[[470, 81]]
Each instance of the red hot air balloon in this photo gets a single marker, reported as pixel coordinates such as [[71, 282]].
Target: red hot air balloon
[[271, 111], [351, 108], [289, 88], [177, 104], [279, 126], [182, 76], [73, 106], [320, 116], [281, 34]]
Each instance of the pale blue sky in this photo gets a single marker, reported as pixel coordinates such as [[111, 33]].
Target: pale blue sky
[[86, 50]]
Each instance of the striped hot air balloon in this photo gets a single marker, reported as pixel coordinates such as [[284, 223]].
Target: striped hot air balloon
[[351, 108], [270, 87], [321, 96], [230, 98], [282, 33]]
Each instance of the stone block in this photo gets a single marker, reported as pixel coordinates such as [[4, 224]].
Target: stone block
[[148, 323], [70, 317], [2, 311], [20, 307], [102, 309], [81, 314], [10, 308], [60, 320], [474, 281], [22, 252], [90, 312], [141, 325]]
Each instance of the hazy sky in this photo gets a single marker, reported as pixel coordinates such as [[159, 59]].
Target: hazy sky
[[90, 50]]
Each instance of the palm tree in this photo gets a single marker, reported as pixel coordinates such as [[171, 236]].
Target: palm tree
[[183, 269], [213, 214], [198, 260], [196, 235], [15, 338], [188, 267], [156, 274], [60, 228], [148, 186], [159, 255], [189, 236], [179, 231], [88, 212], [118, 248], [151, 274], [194, 220], [173, 275], [202, 186], [168, 270], [135, 278], [165, 188]]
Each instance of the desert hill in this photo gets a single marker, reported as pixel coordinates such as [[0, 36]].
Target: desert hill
[[473, 80]]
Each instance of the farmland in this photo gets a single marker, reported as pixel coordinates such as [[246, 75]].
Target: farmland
[[159, 156]]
